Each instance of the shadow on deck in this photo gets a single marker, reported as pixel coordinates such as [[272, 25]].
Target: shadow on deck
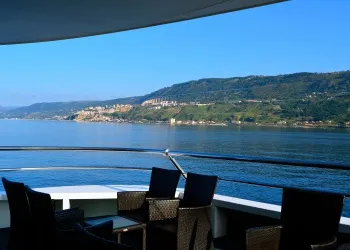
[[5, 233], [237, 223]]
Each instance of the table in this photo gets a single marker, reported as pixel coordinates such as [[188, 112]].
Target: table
[[120, 225]]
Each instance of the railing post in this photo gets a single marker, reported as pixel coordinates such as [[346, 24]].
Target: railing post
[[177, 165]]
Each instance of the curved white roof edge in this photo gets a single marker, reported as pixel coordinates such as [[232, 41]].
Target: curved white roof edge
[[24, 21]]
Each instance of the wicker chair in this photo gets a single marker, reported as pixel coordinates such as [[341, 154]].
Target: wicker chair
[[19, 209], [309, 220], [185, 224], [20, 220], [89, 240], [134, 205], [46, 232]]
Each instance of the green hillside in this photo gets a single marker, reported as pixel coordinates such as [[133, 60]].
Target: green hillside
[[294, 97], [291, 86], [337, 111]]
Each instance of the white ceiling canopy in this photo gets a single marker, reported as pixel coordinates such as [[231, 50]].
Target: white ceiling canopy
[[24, 21]]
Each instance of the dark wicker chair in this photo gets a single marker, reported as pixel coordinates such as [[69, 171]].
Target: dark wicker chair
[[20, 220], [46, 232], [89, 240], [134, 205], [185, 224], [44, 221], [19, 208], [309, 220]]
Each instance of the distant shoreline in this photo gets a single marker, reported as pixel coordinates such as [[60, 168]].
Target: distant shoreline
[[184, 124]]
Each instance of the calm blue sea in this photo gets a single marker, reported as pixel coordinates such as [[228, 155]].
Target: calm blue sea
[[293, 143]]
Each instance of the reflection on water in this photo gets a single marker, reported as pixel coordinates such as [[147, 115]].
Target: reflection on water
[[307, 144]]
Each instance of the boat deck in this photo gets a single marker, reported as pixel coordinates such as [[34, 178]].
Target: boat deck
[[231, 216]]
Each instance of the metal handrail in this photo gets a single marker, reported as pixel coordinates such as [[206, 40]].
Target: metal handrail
[[264, 160], [279, 186], [74, 168], [60, 168], [269, 160], [55, 148], [252, 159], [176, 165]]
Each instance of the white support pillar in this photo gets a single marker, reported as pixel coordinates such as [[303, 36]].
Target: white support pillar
[[219, 219], [66, 204]]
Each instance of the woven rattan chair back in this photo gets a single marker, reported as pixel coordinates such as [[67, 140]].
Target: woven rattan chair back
[[20, 221]]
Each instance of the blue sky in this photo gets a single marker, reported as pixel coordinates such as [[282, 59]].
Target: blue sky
[[300, 35]]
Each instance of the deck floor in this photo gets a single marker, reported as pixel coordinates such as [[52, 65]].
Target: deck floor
[[4, 236], [220, 244]]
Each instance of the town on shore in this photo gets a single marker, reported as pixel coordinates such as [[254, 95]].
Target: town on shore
[[127, 113], [113, 113]]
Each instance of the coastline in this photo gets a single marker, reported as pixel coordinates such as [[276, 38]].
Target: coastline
[[190, 123]]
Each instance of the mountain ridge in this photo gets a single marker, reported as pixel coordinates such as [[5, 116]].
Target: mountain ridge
[[281, 87], [5, 108]]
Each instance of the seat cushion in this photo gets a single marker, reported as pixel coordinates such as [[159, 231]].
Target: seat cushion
[[199, 190], [163, 183], [137, 215], [312, 217]]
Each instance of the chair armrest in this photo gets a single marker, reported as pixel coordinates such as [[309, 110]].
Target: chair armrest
[[194, 228], [194, 212], [130, 200], [87, 240], [263, 238], [66, 219], [329, 245], [162, 209], [193, 209]]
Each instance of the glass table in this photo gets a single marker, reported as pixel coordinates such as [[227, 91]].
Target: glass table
[[120, 225]]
